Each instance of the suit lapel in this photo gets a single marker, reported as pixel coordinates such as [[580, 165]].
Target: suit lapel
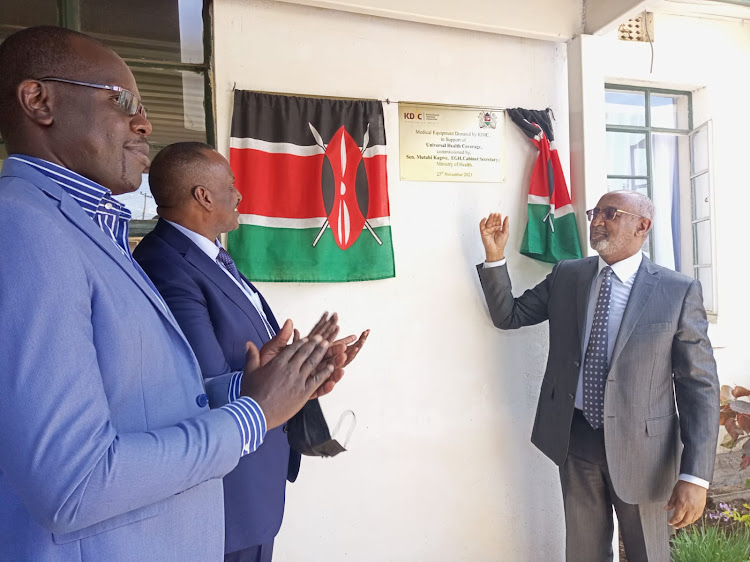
[[266, 308], [75, 214], [586, 276], [643, 287], [212, 270]]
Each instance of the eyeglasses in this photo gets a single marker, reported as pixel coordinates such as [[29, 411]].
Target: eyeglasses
[[127, 100], [608, 213]]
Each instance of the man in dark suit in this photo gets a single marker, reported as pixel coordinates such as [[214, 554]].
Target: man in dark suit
[[219, 310], [629, 404]]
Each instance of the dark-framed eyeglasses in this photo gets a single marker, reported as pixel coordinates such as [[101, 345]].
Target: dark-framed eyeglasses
[[608, 213], [127, 100]]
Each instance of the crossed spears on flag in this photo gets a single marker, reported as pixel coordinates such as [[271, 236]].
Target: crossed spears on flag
[[349, 223]]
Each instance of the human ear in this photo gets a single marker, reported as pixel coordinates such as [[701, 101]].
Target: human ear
[[36, 100], [644, 227], [203, 197]]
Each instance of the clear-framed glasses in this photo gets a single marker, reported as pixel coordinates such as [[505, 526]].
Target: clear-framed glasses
[[127, 100], [608, 213]]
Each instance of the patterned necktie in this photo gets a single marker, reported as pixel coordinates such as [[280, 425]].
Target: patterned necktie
[[595, 362], [226, 260]]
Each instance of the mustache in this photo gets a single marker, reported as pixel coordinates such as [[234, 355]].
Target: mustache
[[142, 142], [599, 230]]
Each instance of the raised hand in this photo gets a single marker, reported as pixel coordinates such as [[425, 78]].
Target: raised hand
[[283, 385], [494, 231], [340, 354]]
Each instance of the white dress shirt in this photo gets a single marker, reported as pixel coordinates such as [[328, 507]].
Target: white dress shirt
[[624, 274]]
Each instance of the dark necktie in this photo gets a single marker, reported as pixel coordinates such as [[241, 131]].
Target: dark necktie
[[226, 260], [595, 362]]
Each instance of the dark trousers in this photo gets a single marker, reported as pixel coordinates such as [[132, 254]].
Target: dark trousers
[[259, 553], [588, 497]]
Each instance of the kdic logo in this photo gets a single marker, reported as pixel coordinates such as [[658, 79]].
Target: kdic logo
[[412, 115]]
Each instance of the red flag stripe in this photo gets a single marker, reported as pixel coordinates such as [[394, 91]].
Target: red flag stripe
[[284, 185]]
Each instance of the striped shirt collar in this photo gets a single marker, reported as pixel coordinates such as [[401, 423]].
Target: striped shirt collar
[[93, 198], [97, 201]]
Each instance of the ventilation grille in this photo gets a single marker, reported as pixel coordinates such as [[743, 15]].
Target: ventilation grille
[[640, 28]]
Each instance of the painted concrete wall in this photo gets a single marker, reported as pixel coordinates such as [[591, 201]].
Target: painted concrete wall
[[440, 467], [556, 20], [708, 57]]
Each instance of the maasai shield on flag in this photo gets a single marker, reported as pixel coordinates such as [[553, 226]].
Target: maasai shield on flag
[[312, 173], [551, 233]]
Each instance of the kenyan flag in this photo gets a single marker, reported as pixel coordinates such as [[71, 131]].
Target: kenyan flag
[[551, 233], [312, 173]]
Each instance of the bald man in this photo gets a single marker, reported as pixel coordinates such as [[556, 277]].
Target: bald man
[[108, 449], [629, 404], [219, 310]]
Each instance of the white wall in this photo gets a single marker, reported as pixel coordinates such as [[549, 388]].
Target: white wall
[[440, 467], [556, 20], [710, 58]]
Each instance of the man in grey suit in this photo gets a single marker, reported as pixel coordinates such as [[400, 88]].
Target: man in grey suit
[[629, 404]]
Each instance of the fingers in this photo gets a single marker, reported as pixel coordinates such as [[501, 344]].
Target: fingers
[[686, 503], [319, 325], [296, 335], [252, 357], [346, 341], [305, 357], [506, 225], [286, 332], [353, 350]]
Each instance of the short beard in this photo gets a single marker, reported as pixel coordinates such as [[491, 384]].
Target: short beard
[[606, 247]]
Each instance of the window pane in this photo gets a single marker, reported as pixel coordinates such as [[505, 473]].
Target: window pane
[[141, 202], [705, 276], [665, 193], [699, 150], [18, 14], [702, 241], [174, 100], [167, 30], [701, 201], [641, 186], [626, 154], [625, 108], [669, 111]]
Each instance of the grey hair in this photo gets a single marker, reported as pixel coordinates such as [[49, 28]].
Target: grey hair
[[642, 204]]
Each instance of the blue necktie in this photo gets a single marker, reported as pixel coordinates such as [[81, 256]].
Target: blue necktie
[[226, 260], [595, 363]]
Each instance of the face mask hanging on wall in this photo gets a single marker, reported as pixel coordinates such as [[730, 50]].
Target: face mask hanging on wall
[[309, 435]]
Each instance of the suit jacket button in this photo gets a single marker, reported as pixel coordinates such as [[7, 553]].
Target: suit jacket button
[[571, 396], [286, 428], [577, 363], [201, 400]]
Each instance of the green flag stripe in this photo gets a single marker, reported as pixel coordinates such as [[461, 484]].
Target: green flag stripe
[[286, 254], [539, 242]]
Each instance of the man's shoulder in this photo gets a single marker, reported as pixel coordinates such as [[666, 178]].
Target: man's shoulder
[[666, 274]]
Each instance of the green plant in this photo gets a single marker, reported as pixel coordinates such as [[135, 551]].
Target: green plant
[[734, 415], [702, 543]]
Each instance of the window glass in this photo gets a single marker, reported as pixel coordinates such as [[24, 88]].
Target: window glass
[[626, 154], [669, 111], [617, 184], [174, 100], [701, 194], [16, 15], [699, 151], [165, 30], [702, 241], [705, 276], [625, 108]]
